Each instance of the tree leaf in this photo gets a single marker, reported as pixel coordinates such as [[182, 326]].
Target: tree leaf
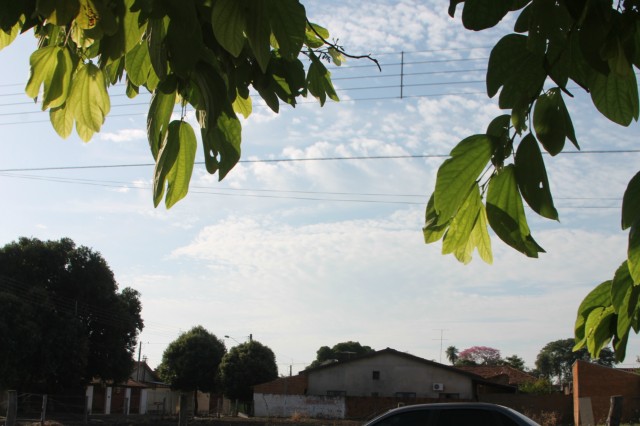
[[163, 101], [506, 213], [598, 329], [598, 297], [516, 69], [156, 34], [458, 174], [431, 230], [6, 38], [62, 118], [531, 176], [51, 66], [288, 22], [552, 122], [89, 99], [631, 202], [459, 238], [243, 105], [229, 24], [482, 14], [615, 97], [259, 32], [179, 175], [633, 252], [132, 27], [319, 81], [138, 64]]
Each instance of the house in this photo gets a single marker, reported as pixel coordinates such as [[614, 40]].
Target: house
[[504, 374], [367, 384]]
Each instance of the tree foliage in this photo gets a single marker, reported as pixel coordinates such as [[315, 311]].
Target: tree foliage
[[479, 355], [556, 359], [342, 351], [490, 176], [452, 354], [515, 361], [62, 318], [190, 363], [207, 55], [244, 366]]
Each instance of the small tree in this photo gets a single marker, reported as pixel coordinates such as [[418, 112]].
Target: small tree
[[479, 355], [556, 359], [452, 354], [190, 363], [342, 351], [515, 361], [246, 365]]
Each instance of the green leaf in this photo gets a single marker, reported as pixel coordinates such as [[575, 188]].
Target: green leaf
[[552, 122], [6, 38], [229, 24], [224, 140], [132, 27], [138, 64], [482, 14], [480, 236], [52, 67], [163, 101], [598, 297], [62, 120], [462, 236], [314, 34], [516, 69], [156, 34], [598, 329], [531, 176], [431, 230], [179, 176], [615, 97], [288, 21], [631, 202], [174, 165], [506, 213], [458, 174], [319, 81], [89, 99], [243, 105], [633, 252], [259, 32], [58, 12]]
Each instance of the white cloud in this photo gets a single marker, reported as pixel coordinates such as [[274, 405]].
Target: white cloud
[[124, 135]]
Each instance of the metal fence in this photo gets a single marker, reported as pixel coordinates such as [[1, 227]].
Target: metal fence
[[30, 407]]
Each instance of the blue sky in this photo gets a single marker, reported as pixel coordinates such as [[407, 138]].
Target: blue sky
[[303, 254]]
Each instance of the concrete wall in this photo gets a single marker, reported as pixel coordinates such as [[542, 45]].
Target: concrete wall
[[539, 407], [322, 407], [599, 384], [396, 375]]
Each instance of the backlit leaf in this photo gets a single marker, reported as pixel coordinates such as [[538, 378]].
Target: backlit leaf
[[179, 175], [242, 106], [552, 122], [89, 99], [163, 101], [505, 212], [288, 22], [431, 230], [6, 38], [633, 252], [615, 97], [631, 203], [62, 120], [229, 24], [597, 298], [458, 174], [531, 176]]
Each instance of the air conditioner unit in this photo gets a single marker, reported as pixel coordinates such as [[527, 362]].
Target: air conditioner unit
[[439, 387]]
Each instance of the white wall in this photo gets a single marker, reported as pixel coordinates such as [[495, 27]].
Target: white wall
[[267, 405], [397, 374]]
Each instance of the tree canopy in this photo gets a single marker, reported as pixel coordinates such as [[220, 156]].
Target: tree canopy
[[594, 45], [479, 355], [342, 351], [244, 366], [191, 362], [62, 318], [556, 359], [201, 54]]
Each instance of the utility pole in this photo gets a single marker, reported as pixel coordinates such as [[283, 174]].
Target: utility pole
[[442, 330]]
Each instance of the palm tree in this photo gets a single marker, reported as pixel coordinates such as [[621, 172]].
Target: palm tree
[[452, 354]]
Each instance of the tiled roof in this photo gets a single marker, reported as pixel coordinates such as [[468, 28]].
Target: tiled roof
[[500, 373]]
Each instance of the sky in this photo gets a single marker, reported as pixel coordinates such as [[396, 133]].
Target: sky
[[323, 249]]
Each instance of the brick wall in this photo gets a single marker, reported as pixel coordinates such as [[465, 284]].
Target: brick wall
[[601, 383], [294, 385]]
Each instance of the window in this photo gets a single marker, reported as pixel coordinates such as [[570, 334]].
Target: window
[[336, 393], [376, 375], [476, 417]]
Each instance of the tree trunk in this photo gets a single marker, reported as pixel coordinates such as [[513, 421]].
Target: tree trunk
[[195, 402], [615, 411]]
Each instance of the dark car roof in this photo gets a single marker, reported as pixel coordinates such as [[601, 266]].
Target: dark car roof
[[517, 416]]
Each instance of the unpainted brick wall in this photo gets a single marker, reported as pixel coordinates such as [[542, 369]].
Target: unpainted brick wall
[[601, 383]]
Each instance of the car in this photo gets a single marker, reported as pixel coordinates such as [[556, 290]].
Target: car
[[452, 414]]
